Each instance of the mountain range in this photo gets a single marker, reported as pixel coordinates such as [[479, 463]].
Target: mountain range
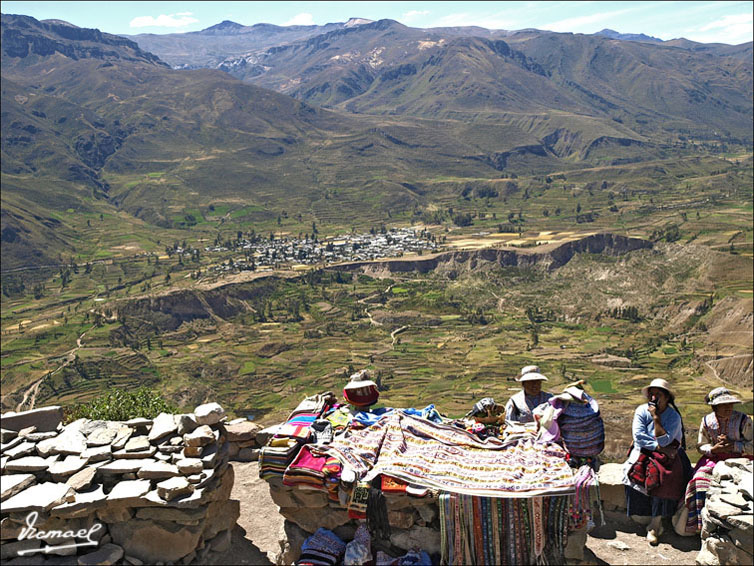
[[282, 117]]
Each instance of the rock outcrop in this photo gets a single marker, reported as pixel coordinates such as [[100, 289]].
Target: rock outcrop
[[140, 491], [727, 517]]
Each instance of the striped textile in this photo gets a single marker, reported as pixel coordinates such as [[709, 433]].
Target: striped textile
[[447, 458], [582, 428], [585, 500], [494, 530]]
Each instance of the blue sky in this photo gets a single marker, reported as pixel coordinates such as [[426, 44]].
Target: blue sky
[[704, 21]]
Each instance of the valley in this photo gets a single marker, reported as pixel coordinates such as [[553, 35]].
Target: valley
[[443, 217]]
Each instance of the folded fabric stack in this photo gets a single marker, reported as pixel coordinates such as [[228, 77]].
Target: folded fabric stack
[[491, 530], [313, 471], [300, 420], [275, 457], [323, 548]]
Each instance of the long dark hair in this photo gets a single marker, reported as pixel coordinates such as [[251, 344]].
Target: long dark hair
[[671, 402]]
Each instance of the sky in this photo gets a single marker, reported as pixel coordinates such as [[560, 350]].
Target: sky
[[703, 21]]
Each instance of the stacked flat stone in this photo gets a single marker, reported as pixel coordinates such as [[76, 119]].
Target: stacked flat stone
[[160, 488], [727, 527], [243, 445]]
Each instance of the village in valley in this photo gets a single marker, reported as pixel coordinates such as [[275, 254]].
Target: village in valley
[[255, 252]]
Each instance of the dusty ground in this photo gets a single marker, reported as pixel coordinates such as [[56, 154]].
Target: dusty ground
[[259, 528], [603, 545]]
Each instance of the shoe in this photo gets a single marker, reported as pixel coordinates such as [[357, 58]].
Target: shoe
[[653, 535]]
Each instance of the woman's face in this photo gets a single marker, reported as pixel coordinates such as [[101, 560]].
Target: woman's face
[[659, 396], [723, 410], [532, 388]]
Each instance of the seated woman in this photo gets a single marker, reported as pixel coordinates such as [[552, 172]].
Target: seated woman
[[654, 471], [520, 406], [724, 433]]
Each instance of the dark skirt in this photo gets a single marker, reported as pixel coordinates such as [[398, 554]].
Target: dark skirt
[[647, 505]]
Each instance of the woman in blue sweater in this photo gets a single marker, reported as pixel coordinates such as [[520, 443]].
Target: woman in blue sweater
[[654, 473]]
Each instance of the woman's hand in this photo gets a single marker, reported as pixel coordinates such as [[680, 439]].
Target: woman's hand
[[724, 444]]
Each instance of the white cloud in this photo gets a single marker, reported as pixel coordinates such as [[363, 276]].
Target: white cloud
[[726, 22], [303, 19], [732, 29], [412, 15], [169, 21], [579, 24]]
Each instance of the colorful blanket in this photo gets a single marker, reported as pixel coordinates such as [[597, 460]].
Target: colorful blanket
[[447, 458]]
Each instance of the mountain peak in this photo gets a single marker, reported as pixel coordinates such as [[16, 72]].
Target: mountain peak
[[357, 22], [612, 34], [225, 25]]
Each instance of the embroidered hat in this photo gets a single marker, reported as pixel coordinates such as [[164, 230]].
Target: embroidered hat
[[721, 396], [661, 384], [361, 391], [532, 376]]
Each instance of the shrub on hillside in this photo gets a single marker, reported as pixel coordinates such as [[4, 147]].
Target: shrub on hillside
[[118, 405]]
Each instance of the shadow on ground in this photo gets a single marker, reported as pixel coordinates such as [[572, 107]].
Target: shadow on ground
[[241, 551]]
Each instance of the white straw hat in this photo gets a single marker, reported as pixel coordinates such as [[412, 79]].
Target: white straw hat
[[532, 376], [661, 384]]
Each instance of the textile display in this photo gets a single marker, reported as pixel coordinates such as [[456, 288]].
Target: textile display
[[323, 548], [316, 404], [273, 460], [581, 427], [358, 551], [585, 500], [313, 471], [339, 417], [448, 458], [495, 530], [357, 504]]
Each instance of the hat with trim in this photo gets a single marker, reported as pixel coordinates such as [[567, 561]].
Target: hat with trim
[[721, 396]]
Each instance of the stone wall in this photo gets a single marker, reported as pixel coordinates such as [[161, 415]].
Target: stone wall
[[144, 491], [727, 531]]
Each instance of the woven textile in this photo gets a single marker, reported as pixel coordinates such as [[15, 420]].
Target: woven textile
[[581, 427], [696, 490], [586, 499], [322, 548], [492, 530], [447, 458]]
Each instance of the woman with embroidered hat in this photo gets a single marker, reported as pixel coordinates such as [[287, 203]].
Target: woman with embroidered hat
[[654, 474], [724, 433], [520, 406]]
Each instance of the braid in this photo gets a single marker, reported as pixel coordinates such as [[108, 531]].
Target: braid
[[683, 429]]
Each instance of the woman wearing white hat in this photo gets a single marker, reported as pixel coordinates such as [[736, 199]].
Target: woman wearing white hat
[[520, 406], [724, 433], [658, 443]]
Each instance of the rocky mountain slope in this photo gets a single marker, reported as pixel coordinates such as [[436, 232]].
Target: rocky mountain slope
[[385, 67]]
